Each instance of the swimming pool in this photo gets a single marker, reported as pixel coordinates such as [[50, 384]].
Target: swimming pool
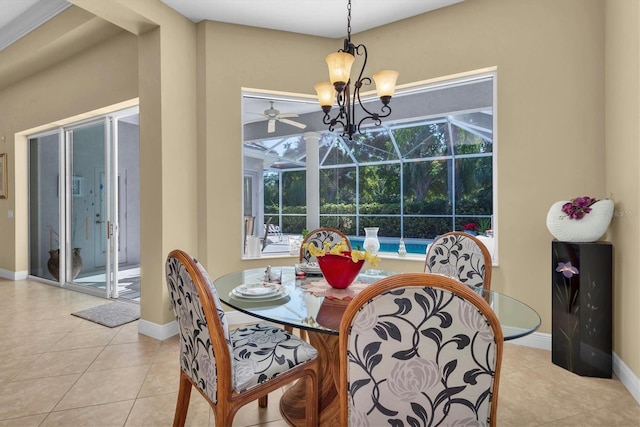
[[389, 244]]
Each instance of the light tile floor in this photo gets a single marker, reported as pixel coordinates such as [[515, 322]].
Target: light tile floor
[[60, 370]]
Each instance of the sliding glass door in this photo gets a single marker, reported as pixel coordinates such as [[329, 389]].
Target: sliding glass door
[[75, 232], [88, 220]]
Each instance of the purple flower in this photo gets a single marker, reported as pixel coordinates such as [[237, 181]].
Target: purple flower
[[577, 208], [566, 269]]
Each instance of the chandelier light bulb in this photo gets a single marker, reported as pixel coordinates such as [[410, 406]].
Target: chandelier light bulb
[[326, 94], [385, 82], [339, 64]]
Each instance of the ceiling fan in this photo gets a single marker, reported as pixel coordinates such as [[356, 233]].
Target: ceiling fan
[[273, 115]]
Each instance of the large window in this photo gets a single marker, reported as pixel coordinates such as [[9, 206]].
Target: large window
[[427, 170]]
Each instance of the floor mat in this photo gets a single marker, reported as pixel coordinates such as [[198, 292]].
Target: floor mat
[[112, 314]]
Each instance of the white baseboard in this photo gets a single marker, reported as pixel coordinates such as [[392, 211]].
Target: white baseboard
[[163, 332], [627, 377], [13, 275], [159, 332], [535, 340]]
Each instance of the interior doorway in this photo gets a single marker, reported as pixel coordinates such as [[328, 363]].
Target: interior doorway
[[84, 206]]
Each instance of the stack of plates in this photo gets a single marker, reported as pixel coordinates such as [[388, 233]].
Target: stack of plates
[[312, 268], [259, 291]]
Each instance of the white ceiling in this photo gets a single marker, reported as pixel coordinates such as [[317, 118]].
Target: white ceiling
[[327, 18], [19, 17]]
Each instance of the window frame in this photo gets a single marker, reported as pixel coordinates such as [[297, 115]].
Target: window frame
[[406, 90]]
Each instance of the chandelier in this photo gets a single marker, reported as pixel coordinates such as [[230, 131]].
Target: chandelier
[[339, 88]]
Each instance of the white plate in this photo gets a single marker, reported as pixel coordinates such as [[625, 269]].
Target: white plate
[[311, 268], [280, 293], [256, 290]]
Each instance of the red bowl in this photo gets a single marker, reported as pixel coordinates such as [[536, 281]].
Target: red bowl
[[339, 270]]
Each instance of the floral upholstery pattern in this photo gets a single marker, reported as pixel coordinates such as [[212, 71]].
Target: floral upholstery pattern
[[459, 256], [318, 238], [420, 356], [259, 352]]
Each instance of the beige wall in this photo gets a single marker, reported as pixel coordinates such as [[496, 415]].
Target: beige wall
[[622, 171], [85, 82], [550, 57]]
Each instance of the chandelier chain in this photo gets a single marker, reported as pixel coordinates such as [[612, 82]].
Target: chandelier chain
[[349, 20]]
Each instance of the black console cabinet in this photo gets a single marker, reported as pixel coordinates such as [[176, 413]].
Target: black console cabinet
[[582, 282]]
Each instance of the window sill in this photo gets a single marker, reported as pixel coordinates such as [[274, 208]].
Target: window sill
[[382, 255], [488, 241]]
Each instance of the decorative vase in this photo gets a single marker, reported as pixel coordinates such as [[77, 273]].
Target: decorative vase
[[371, 243], [587, 229], [339, 270], [53, 264], [402, 249]]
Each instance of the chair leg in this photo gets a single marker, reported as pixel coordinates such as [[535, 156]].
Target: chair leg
[[182, 405], [263, 401]]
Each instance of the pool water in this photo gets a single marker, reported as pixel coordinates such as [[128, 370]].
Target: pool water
[[391, 245]]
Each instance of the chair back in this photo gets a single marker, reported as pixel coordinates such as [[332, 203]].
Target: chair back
[[318, 238], [205, 343], [462, 256], [419, 349]]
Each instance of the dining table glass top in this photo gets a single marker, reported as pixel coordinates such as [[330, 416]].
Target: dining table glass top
[[293, 305]]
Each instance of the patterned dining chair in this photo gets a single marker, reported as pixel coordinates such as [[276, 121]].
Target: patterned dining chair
[[318, 238], [462, 256], [419, 349], [230, 367]]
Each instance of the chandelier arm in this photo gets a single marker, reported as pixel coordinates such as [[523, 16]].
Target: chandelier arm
[[332, 122], [356, 51], [376, 122], [366, 80], [385, 111], [342, 116], [342, 98]]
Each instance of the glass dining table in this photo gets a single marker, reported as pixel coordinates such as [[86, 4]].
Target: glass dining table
[[299, 304]]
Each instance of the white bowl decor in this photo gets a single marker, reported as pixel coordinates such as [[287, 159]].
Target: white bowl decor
[[583, 219]]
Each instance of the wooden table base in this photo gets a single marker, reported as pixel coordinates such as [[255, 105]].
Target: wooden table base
[[292, 403]]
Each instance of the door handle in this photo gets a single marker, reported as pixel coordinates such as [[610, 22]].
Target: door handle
[[108, 229]]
